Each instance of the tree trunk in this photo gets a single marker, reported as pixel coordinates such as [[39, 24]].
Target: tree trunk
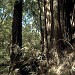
[[46, 34], [59, 32], [17, 24], [68, 10], [52, 23], [59, 23], [16, 34], [41, 27]]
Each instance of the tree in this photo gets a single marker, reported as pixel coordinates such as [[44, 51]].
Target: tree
[[41, 26], [16, 35], [17, 24], [52, 23], [45, 21]]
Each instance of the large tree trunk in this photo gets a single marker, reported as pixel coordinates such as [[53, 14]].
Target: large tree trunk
[[17, 24], [16, 35]]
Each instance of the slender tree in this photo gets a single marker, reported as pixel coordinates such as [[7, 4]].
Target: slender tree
[[52, 23], [46, 34], [59, 23], [41, 27], [68, 11], [59, 31]]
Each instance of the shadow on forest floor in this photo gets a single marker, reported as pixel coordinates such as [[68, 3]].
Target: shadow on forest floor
[[35, 62]]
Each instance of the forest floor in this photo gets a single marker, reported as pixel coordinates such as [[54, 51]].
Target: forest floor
[[59, 63]]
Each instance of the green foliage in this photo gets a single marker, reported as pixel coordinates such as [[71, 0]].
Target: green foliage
[[30, 35], [31, 38]]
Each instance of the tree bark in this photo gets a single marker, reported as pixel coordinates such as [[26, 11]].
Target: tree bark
[[68, 10], [16, 33], [59, 32], [41, 27], [46, 34], [52, 23], [17, 24]]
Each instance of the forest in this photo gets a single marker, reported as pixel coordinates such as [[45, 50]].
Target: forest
[[37, 37]]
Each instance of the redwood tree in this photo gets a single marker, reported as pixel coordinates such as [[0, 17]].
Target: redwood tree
[[16, 35], [17, 24]]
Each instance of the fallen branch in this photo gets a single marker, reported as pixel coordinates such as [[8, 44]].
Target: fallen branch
[[66, 42]]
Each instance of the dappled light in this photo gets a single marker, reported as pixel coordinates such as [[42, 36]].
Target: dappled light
[[37, 37]]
